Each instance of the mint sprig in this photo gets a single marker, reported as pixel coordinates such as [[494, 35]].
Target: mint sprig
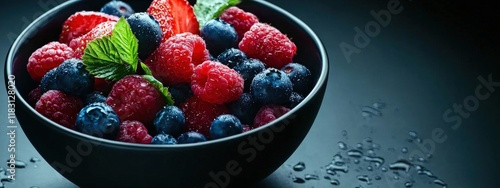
[[206, 10], [158, 85], [113, 57]]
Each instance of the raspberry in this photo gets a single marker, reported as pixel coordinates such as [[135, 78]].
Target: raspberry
[[242, 21], [103, 85], [79, 44], [173, 62], [216, 83], [134, 132], [59, 107], [81, 23], [200, 114], [34, 96], [134, 98], [269, 113], [268, 44], [46, 58]]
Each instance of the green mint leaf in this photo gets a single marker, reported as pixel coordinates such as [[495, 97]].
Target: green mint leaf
[[206, 10], [158, 85], [146, 69], [113, 57]]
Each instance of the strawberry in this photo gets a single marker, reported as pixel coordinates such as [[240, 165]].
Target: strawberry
[[81, 23], [79, 44], [174, 16]]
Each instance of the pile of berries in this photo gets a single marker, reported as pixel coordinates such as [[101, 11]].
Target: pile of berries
[[230, 75]]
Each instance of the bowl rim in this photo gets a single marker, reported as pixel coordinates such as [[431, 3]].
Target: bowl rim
[[73, 133]]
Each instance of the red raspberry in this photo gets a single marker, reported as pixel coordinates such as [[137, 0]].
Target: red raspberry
[[34, 96], [174, 60], [103, 85], [46, 58], [269, 113], [59, 107], [216, 83], [200, 114], [134, 98], [79, 44], [268, 44], [242, 21], [81, 23], [134, 132]]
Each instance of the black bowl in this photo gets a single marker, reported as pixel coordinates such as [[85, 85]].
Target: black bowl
[[237, 160]]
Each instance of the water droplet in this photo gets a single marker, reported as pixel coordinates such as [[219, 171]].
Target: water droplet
[[311, 177], [421, 159], [296, 179], [404, 150], [356, 161], [429, 156], [355, 153], [418, 140], [426, 173], [359, 146], [338, 160], [327, 177], [368, 111], [368, 140], [396, 177], [378, 161], [369, 168], [364, 178], [371, 152], [344, 133], [408, 184], [378, 178], [439, 182], [34, 160], [335, 182], [331, 172], [383, 169], [375, 146], [299, 166], [18, 164], [402, 165], [413, 134], [342, 146], [411, 159], [378, 105], [337, 168]]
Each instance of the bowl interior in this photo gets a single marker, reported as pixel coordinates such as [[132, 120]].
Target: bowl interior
[[48, 27]]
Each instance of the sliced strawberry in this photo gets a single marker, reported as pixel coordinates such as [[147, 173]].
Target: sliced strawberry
[[79, 44], [174, 16], [81, 23]]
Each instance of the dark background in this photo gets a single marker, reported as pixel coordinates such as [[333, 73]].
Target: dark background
[[426, 60]]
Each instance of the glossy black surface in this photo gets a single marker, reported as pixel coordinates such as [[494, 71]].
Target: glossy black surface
[[426, 60]]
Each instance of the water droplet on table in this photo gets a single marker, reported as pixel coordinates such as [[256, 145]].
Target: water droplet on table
[[34, 160], [378, 105], [378, 161], [359, 145], [440, 182], [296, 179], [342, 145], [408, 184], [404, 150], [378, 178], [413, 134], [355, 153], [400, 165], [335, 182], [364, 178], [299, 166], [369, 168], [368, 111], [19, 164], [368, 140], [337, 168], [311, 177], [338, 160]]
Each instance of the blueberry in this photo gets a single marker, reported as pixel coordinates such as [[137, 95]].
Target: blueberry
[[232, 57], [271, 86], [300, 76], [248, 69], [117, 8], [147, 31], [98, 119], [190, 137], [225, 125], [94, 97], [169, 120], [49, 81], [163, 138], [245, 108], [73, 79], [180, 93], [219, 36], [295, 99]]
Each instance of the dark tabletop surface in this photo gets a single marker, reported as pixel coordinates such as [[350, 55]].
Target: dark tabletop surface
[[432, 69]]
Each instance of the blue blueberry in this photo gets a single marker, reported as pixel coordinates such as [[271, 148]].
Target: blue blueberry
[[248, 69], [169, 120], [225, 125], [147, 31], [180, 93], [271, 86], [73, 79], [219, 36], [95, 96], [245, 108], [49, 81], [191, 137], [98, 119], [232, 57], [295, 99], [163, 138], [300, 76], [117, 8]]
